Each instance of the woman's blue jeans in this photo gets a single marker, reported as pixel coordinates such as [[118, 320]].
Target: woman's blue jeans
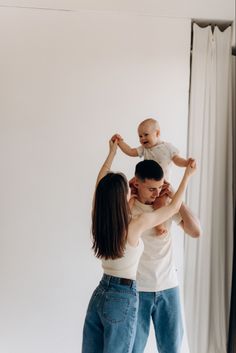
[[111, 319], [164, 309]]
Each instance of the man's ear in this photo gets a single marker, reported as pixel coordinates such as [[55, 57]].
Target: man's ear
[[158, 132]]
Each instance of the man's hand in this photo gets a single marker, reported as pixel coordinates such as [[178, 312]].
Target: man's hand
[[167, 190], [167, 193]]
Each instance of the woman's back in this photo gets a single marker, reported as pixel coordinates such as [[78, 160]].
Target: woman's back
[[125, 266]]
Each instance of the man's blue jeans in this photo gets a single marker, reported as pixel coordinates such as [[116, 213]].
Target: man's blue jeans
[[111, 318], [164, 309]]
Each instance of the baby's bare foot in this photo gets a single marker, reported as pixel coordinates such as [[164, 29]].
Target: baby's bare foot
[[161, 229]]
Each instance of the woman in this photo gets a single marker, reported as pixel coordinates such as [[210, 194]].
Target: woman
[[111, 317]]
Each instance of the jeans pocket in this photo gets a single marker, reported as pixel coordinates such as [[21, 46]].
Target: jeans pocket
[[115, 308]]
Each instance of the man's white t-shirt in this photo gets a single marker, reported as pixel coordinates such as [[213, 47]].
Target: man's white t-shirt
[[156, 269]]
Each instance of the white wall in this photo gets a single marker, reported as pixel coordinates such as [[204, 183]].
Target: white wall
[[201, 9], [68, 82]]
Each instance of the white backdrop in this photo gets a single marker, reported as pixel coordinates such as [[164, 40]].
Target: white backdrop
[[68, 82]]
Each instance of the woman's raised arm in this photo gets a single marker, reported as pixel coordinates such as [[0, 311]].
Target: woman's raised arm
[[105, 168]]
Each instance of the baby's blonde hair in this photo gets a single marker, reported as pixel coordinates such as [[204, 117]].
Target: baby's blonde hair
[[150, 121]]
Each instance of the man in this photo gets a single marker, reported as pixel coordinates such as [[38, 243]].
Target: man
[[156, 277]]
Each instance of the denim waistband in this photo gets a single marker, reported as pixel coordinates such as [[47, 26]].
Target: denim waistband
[[108, 279]]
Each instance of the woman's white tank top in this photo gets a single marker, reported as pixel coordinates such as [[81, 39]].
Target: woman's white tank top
[[126, 266]]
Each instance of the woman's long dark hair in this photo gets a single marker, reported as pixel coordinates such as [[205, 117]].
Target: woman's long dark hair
[[110, 216]]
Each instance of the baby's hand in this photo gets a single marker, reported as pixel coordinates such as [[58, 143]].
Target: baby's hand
[[191, 161], [117, 137], [192, 167]]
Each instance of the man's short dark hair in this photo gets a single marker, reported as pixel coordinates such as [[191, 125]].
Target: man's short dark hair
[[149, 169]]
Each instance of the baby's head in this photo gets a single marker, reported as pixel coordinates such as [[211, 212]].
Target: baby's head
[[149, 132]]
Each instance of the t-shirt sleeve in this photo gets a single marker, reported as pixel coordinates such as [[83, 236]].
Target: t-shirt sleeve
[[173, 151], [140, 151]]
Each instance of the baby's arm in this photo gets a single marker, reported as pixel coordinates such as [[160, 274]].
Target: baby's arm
[[181, 162], [132, 152]]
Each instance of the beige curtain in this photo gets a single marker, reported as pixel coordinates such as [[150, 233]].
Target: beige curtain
[[232, 323], [208, 261]]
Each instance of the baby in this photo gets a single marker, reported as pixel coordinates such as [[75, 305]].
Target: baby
[[152, 147]]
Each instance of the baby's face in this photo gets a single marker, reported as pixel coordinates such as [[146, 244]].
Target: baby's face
[[148, 135]]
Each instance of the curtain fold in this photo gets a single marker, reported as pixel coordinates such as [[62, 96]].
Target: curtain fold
[[208, 260], [232, 324]]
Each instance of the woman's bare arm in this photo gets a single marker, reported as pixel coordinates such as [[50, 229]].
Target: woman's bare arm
[[105, 168], [149, 220]]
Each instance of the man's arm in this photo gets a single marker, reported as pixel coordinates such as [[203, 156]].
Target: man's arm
[[190, 223]]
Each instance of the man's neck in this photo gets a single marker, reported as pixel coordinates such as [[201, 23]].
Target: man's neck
[[144, 201]]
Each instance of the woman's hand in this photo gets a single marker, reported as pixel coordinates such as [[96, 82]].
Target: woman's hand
[[108, 161], [191, 167], [113, 143], [117, 137]]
